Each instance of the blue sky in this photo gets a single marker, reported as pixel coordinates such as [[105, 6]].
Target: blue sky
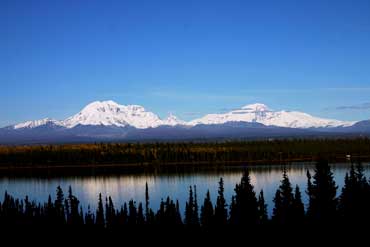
[[185, 57]]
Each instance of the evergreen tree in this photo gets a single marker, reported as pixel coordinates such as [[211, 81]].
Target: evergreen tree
[[59, 206], [277, 216], [221, 207], [149, 215], [178, 214], [50, 212], [100, 222], [72, 208], [206, 212], [89, 217], [233, 218], [123, 215], [191, 209], [309, 192], [161, 213], [140, 215], [283, 211], [110, 212], [245, 208], [196, 208], [354, 199], [322, 194], [132, 217], [298, 213], [262, 209]]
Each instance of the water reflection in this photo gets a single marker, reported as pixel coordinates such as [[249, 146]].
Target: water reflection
[[132, 186]]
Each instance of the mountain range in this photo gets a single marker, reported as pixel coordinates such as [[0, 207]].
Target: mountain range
[[110, 121]]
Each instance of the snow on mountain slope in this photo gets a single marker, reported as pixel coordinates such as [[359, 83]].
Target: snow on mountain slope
[[173, 121], [112, 114], [109, 113], [37, 123], [260, 113]]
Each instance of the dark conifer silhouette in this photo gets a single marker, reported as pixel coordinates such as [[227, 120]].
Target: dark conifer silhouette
[[221, 207], [283, 210], [298, 213], [262, 209], [191, 209], [132, 217], [59, 207], [244, 208], [354, 200], [196, 208], [149, 214], [100, 222], [322, 194], [206, 212], [140, 215]]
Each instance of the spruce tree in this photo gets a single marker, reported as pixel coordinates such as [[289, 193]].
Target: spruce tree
[[277, 216], [189, 208], [245, 205], [132, 217], [140, 215], [206, 212], [100, 222], [196, 208], [262, 209], [221, 207], [298, 213], [178, 214], [233, 217], [149, 215], [354, 199], [322, 194], [284, 201], [59, 206]]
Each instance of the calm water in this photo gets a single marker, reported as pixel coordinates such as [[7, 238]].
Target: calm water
[[124, 187]]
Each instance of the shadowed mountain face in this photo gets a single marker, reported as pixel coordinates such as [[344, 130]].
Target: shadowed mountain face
[[51, 133]]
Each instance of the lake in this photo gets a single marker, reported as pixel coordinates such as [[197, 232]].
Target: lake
[[124, 187]]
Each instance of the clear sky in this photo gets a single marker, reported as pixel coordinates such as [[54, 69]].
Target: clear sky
[[185, 57]]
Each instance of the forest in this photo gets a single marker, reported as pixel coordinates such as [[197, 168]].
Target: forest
[[187, 153], [247, 208]]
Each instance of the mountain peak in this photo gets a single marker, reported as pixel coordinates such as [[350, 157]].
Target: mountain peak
[[101, 105], [257, 107], [260, 113], [36, 123], [110, 113], [172, 120]]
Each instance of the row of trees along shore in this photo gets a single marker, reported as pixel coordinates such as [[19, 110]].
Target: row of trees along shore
[[246, 208], [185, 152]]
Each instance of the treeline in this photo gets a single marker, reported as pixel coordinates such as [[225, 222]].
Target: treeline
[[184, 153], [246, 208]]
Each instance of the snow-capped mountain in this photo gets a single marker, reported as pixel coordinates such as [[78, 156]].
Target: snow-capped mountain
[[110, 113], [109, 121], [260, 113], [173, 121], [37, 123]]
